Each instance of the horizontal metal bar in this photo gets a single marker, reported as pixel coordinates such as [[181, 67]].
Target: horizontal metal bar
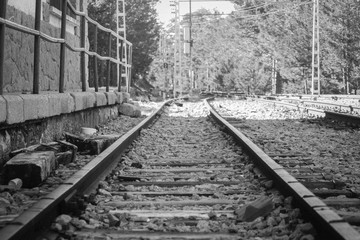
[[74, 49], [97, 24], [24, 29], [31, 31]]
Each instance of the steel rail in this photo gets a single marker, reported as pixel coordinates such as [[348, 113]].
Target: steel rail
[[343, 117], [332, 226], [313, 111], [324, 104], [30, 222]]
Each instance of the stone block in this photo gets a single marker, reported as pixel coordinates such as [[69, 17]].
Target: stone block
[[248, 213], [43, 107], [35, 106], [120, 97], [5, 146], [83, 100], [30, 106], [15, 109], [67, 103], [126, 97], [93, 145], [55, 102], [3, 113], [129, 110], [64, 158], [32, 168], [100, 143], [111, 98], [101, 99], [90, 100]]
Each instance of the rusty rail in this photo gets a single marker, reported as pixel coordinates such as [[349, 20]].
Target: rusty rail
[[38, 35]]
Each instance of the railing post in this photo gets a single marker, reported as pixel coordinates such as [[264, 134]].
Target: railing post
[[82, 54], [63, 47], [36, 77], [120, 66], [96, 79], [3, 5], [108, 64], [130, 62]]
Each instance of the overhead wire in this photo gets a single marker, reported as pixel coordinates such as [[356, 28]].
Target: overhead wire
[[273, 12], [251, 16]]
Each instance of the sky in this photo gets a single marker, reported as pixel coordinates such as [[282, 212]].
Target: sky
[[165, 15]]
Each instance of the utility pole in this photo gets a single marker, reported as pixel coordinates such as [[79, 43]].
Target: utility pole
[[177, 46], [121, 30], [274, 78], [190, 57], [315, 77]]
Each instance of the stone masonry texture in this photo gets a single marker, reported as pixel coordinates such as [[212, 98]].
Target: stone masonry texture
[[49, 129], [19, 54]]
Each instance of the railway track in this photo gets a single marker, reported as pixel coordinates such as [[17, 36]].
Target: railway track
[[182, 178], [320, 153], [343, 113]]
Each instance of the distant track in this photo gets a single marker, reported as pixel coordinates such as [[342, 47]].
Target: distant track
[[319, 109]]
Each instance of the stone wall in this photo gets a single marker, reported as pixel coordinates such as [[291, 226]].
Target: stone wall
[[27, 119], [50, 129], [19, 54], [31, 119]]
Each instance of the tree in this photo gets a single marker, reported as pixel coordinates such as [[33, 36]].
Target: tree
[[142, 31], [238, 51]]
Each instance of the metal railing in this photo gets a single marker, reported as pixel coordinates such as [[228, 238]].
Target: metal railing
[[122, 44]]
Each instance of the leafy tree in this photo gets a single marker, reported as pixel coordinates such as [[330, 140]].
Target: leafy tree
[[142, 31], [238, 51]]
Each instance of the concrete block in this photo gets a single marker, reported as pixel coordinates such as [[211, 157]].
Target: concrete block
[[101, 99], [126, 97], [3, 113], [83, 100], [111, 98], [129, 110], [120, 97], [55, 101], [15, 109], [32, 168]]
